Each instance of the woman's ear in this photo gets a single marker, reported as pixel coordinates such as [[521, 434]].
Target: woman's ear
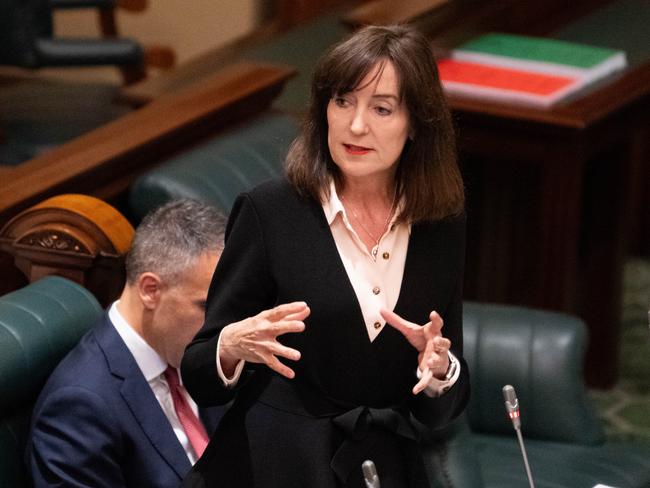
[[149, 289]]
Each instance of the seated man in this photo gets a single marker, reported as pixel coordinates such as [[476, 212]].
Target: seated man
[[114, 413]]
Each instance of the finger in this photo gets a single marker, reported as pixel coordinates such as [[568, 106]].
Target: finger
[[441, 344], [281, 311], [438, 366], [275, 364], [436, 322], [301, 315], [286, 352], [286, 327], [397, 322], [424, 381]]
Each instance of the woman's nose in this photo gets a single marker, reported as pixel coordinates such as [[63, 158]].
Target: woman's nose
[[358, 125]]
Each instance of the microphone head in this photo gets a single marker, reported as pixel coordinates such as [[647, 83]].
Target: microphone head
[[512, 405], [369, 473], [509, 395]]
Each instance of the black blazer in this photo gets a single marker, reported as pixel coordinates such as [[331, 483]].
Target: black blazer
[[285, 433]]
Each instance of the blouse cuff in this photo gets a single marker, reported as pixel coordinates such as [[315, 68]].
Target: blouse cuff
[[437, 387], [232, 381]]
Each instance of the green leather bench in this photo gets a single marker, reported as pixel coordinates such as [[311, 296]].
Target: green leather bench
[[39, 324], [219, 169]]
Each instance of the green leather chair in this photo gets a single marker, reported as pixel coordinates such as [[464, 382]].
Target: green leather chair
[[39, 324], [541, 354]]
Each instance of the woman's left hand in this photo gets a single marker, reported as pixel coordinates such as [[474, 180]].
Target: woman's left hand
[[432, 347]]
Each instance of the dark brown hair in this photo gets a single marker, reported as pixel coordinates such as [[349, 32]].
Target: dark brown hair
[[427, 175]]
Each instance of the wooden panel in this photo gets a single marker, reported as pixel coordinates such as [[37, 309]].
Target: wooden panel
[[383, 12], [75, 236]]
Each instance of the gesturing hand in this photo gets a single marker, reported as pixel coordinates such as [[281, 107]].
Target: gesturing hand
[[255, 339], [427, 339]]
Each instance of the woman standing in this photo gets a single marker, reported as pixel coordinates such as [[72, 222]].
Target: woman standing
[[313, 312]]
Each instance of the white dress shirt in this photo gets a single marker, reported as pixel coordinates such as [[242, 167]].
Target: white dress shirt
[[153, 368], [376, 277]]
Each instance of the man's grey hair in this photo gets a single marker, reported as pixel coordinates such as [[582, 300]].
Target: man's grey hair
[[171, 237]]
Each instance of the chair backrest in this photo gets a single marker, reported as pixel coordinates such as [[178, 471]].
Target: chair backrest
[[27, 40], [541, 354], [39, 324], [21, 23], [218, 170]]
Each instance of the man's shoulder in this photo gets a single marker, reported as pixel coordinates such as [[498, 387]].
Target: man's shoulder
[[85, 365]]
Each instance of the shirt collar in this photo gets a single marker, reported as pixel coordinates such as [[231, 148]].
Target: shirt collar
[[333, 206], [148, 360]]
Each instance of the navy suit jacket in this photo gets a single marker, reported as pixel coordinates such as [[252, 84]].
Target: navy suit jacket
[[97, 423]]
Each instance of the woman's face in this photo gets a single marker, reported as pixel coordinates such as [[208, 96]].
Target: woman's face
[[367, 127]]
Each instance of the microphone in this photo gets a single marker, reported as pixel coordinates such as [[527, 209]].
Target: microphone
[[512, 407], [370, 474]]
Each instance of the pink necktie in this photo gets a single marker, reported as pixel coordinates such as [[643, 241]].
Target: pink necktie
[[193, 427]]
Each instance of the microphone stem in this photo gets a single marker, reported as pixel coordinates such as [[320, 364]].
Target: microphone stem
[[523, 452]]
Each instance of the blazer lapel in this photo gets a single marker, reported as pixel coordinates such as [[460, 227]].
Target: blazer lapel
[[139, 398], [335, 279]]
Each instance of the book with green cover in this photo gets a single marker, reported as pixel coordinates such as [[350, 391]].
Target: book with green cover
[[542, 55]]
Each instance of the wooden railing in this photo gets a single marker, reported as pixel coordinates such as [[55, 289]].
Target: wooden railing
[[104, 161]]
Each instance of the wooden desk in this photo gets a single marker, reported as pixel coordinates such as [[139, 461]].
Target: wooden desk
[[549, 200]]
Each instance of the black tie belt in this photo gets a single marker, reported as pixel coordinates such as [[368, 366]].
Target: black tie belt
[[362, 426]]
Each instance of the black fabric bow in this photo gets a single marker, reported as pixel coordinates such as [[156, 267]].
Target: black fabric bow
[[361, 426]]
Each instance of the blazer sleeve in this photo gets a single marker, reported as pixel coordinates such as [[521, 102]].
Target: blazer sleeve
[[241, 287], [439, 411], [75, 442]]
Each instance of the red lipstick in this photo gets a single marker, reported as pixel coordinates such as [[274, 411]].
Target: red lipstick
[[356, 150]]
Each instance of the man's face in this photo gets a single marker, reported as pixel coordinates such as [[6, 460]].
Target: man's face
[[181, 310]]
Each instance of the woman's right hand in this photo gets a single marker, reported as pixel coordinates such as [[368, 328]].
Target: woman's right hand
[[255, 339]]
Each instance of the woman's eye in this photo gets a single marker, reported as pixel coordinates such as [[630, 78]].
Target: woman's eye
[[383, 110], [340, 102]]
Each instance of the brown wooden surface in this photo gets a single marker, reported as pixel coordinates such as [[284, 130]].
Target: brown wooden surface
[[104, 162], [384, 12], [458, 20], [290, 13], [75, 236], [150, 89]]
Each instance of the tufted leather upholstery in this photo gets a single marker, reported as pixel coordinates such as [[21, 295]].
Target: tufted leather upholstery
[[218, 170], [39, 324], [541, 354]]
